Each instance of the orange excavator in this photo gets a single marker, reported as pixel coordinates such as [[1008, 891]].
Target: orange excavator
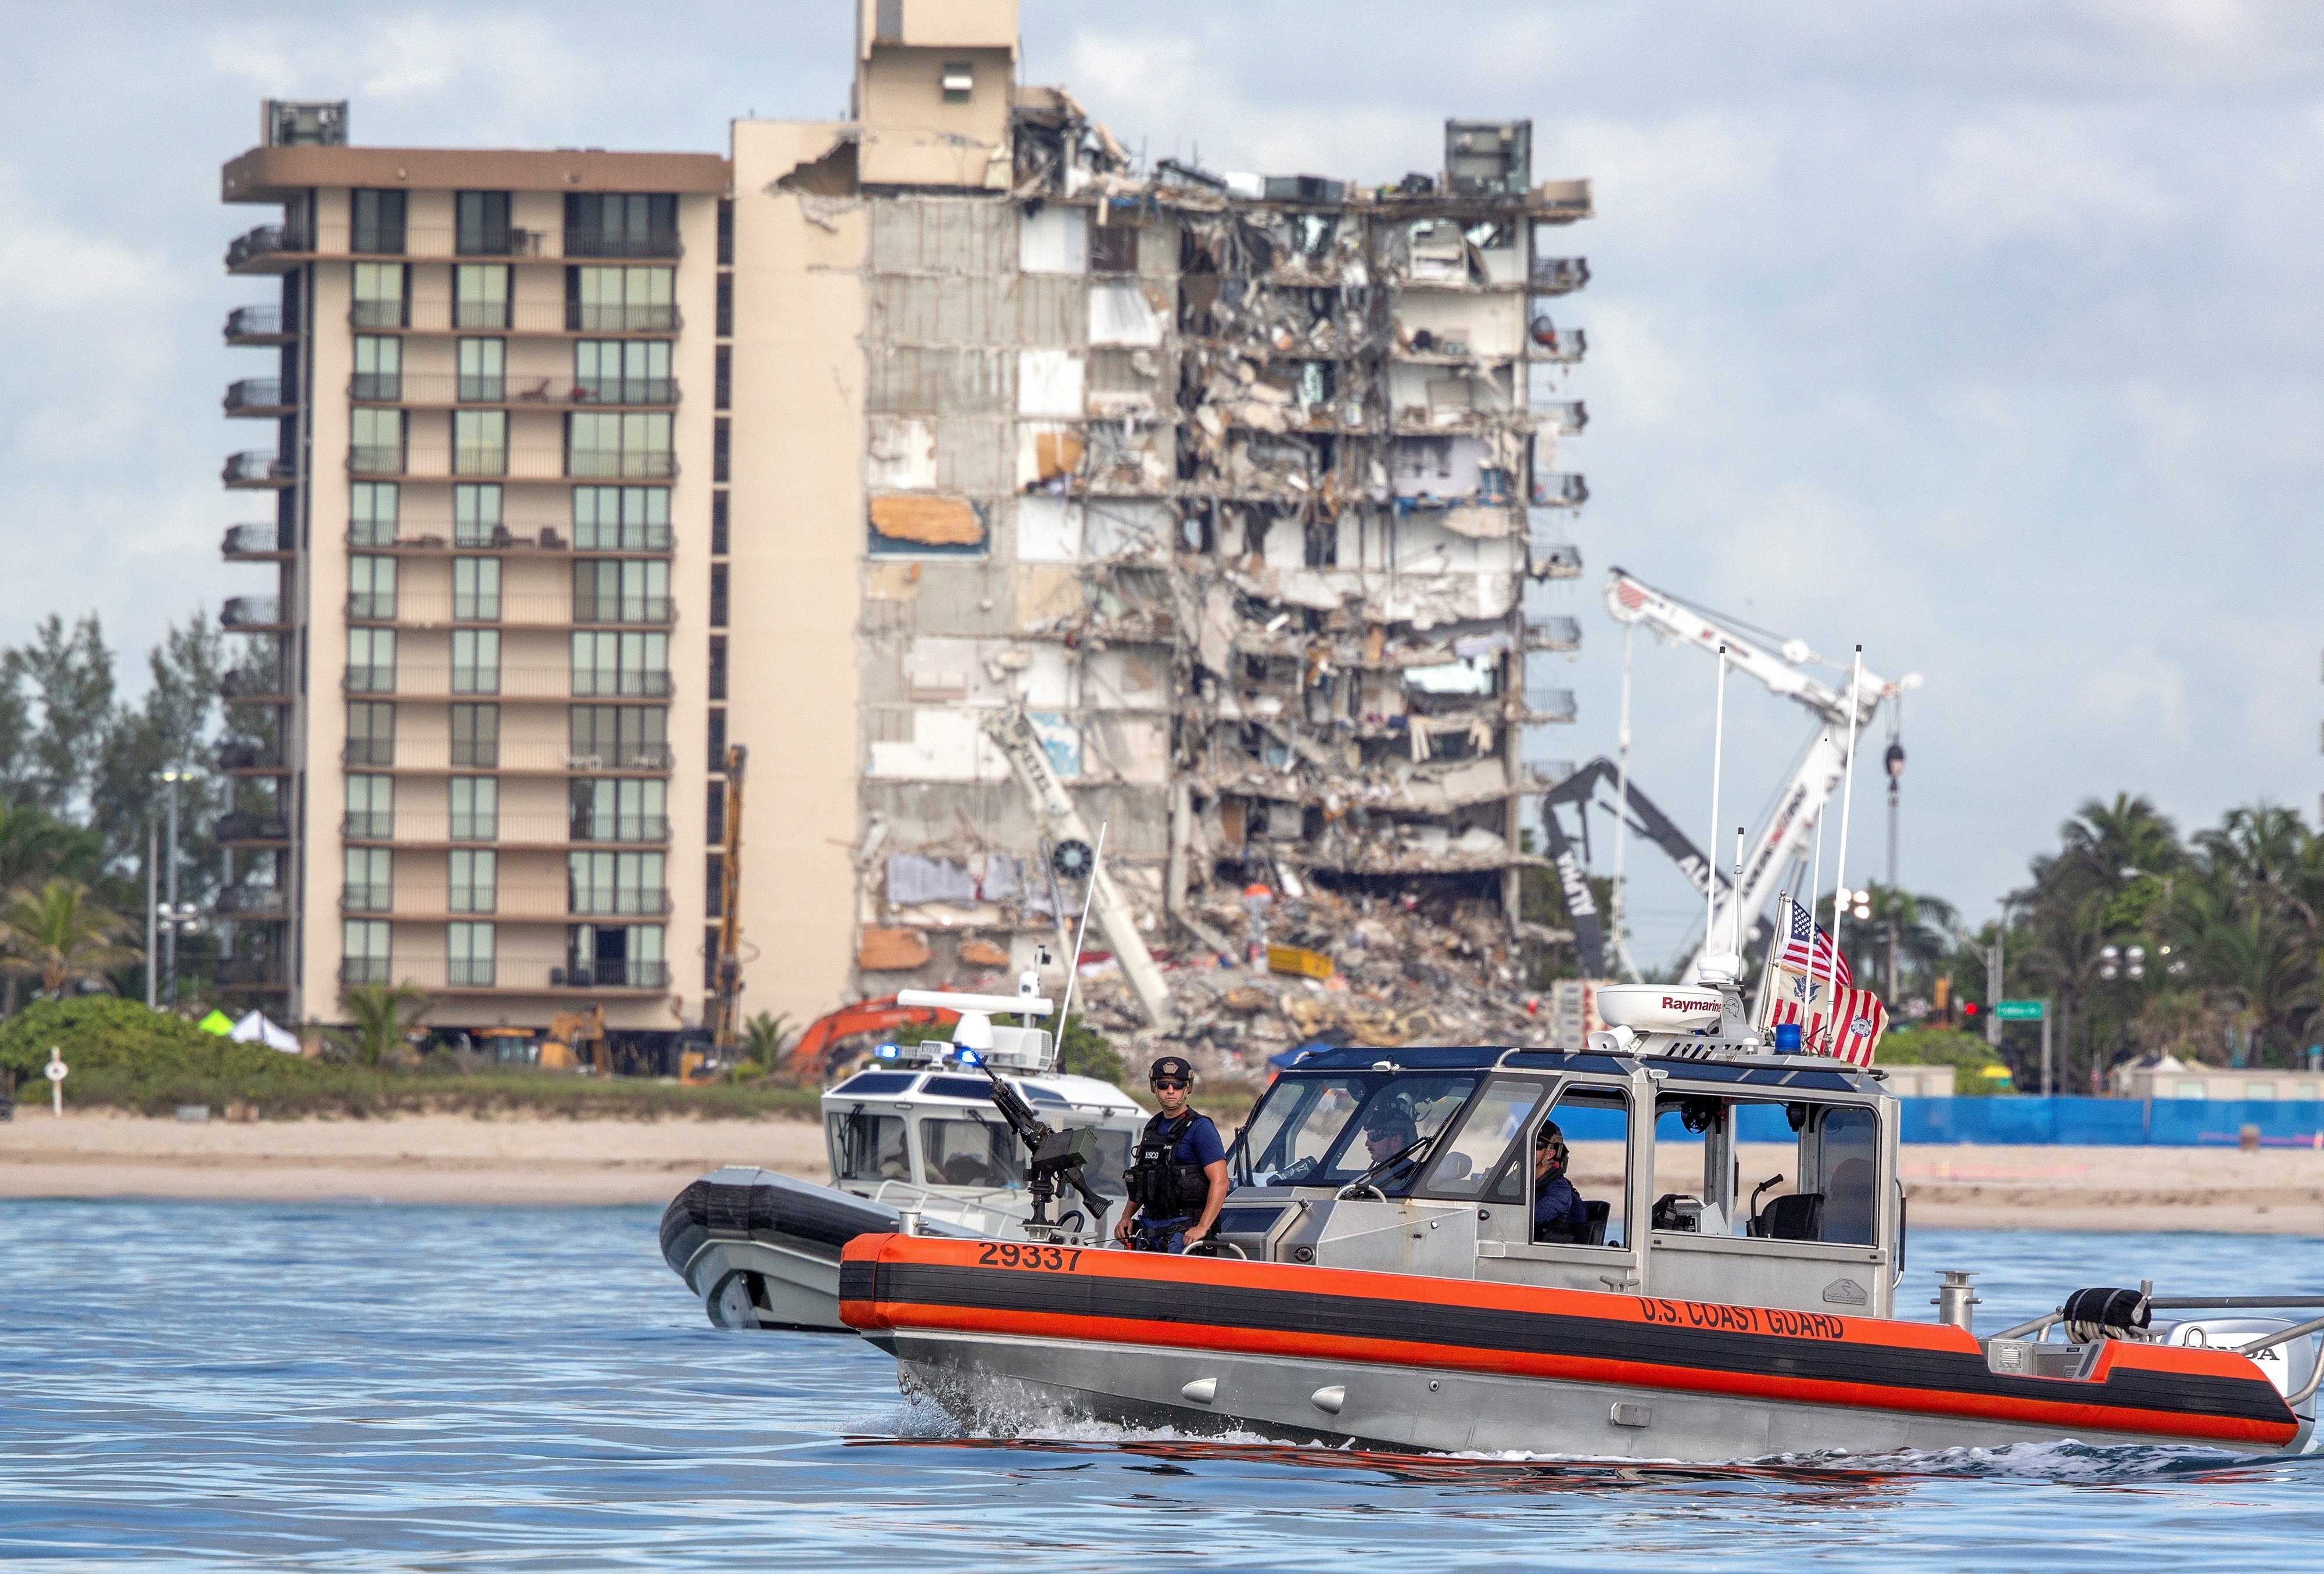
[[811, 1059]]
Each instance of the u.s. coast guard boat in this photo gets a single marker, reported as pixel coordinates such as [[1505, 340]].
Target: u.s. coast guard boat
[[1406, 1299], [922, 1133]]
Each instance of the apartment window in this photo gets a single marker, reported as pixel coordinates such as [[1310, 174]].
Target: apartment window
[[717, 738], [959, 81], [619, 738], [364, 956], [718, 596], [477, 736], [615, 957], [614, 591], [622, 371], [720, 449], [619, 809], [713, 823], [479, 442], [479, 295], [375, 222], [371, 880], [475, 513], [476, 661], [371, 661], [717, 666], [484, 371], [725, 306], [371, 808], [375, 440], [628, 884], [621, 301], [468, 956], [613, 223], [724, 390], [475, 880], [632, 442], [476, 590], [372, 510], [371, 589], [483, 221], [718, 523], [725, 232], [370, 733], [620, 518], [383, 295], [1113, 248], [475, 805], [379, 368], [713, 906], [610, 663]]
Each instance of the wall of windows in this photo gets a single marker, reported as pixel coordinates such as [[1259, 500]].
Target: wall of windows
[[476, 590], [608, 664], [627, 883], [477, 736], [619, 443], [622, 591], [371, 806], [474, 880], [371, 661], [371, 588], [621, 301], [475, 808], [364, 956], [475, 513], [370, 733], [620, 518], [370, 881], [469, 953], [372, 512], [619, 810], [623, 371], [619, 738]]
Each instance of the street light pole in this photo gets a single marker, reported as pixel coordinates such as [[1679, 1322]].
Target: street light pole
[[173, 777], [152, 874]]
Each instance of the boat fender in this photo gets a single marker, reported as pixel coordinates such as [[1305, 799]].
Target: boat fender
[[2095, 1314]]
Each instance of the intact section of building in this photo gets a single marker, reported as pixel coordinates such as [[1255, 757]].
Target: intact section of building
[[841, 447]]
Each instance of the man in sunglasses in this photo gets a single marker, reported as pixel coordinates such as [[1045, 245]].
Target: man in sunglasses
[[1178, 1176], [1559, 1217]]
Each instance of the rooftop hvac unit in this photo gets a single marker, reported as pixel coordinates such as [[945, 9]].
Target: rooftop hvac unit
[[286, 123], [1489, 157]]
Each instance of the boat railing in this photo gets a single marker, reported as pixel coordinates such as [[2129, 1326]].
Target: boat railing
[[2039, 1326]]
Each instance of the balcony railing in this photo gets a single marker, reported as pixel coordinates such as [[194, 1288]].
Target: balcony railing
[[528, 464], [368, 825], [1560, 275], [251, 612], [584, 318], [259, 324], [367, 970], [622, 538], [1550, 704], [599, 684], [1553, 633], [620, 757], [449, 240], [371, 606], [367, 898], [367, 752], [541, 829], [249, 827], [530, 317], [252, 902], [369, 679], [251, 974], [1551, 342], [247, 754], [610, 975], [624, 609], [507, 682], [258, 468], [379, 314], [253, 682], [376, 387], [447, 388], [620, 828], [623, 463], [369, 459], [1554, 489], [256, 540], [1557, 560], [267, 240], [1566, 417], [470, 975], [257, 395], [600, 901]]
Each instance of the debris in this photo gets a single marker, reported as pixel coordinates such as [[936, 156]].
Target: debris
[[892, 951]]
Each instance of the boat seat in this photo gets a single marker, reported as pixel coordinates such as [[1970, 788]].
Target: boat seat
[[1598, 1214], [1799, 1217]]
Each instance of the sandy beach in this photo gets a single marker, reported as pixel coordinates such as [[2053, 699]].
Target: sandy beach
[[527, 1160]]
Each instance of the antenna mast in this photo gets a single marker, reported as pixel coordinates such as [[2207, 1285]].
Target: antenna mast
[[1718, 752], [1847, 801]]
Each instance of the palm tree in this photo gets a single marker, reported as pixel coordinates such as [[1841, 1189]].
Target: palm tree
[[61, 933], [2256, 961], [763, 1036], [383, 1016], [35, 846]]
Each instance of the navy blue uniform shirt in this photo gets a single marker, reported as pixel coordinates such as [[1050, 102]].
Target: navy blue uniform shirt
[[1559, 1207]]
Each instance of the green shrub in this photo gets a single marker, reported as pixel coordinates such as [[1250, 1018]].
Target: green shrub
[[1967, 1053]]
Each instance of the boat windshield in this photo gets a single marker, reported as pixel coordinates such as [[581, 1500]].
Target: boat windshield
[[1327, 1129]]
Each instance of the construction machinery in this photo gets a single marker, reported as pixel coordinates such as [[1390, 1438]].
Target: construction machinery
[[812, 1060], [573, 1033], [1778, 664], [726, 999], [1579, 791]]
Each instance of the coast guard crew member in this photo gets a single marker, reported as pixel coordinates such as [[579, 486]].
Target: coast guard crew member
[[1178, 1176]]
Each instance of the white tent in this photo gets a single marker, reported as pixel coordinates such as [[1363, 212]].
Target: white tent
[[255, 1028]]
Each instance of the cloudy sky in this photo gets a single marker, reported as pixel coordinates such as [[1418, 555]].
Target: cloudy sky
[[1986, 334]]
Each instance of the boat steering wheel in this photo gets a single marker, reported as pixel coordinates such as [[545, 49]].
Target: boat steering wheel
[[1357, 1188]]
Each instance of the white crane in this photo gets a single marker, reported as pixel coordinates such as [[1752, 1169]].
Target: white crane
[[1784, 837]]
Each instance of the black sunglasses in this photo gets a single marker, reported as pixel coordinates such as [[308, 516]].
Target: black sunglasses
[[1171, 1082]]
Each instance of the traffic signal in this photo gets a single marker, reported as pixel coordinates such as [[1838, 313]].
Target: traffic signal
[[1971, 1012]]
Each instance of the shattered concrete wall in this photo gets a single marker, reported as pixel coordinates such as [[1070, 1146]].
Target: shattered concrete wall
[[1236, 487]]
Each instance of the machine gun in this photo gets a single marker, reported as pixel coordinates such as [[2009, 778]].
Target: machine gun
[[1051, 1157]]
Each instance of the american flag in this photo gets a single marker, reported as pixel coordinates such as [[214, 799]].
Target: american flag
[[1861, 1017], [1806, 948]]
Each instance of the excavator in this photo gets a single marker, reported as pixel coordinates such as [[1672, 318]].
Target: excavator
[[812, 1058]]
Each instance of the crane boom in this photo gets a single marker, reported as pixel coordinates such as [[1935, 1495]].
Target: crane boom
[[1785, 836]]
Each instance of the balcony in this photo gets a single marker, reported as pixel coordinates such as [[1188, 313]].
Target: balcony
[[1554, 489], [257, 469], [245, 829], [1560, 275], [254, 685], [530, 317], [246, 755], [1567, 418], [623, 464], [1556, 560], [367, 752], [504, 682], [367, 970], [1553, 633], [252, 612], [366, 899], [617, 902], [1550, 704], [619, 828], [368, 679], [260, 325], [271, 248], [266, 539], [258, 396], [371, 606], [369, 459], [610, 975], [252, 902], [529, 464], [439, 975], [252, 973], [1565, 346], [368, 825], [446, 389], [624, 609]]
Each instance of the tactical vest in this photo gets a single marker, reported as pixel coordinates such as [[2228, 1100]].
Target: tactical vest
[[1158, 1181]]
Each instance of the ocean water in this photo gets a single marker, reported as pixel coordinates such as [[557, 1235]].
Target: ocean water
[[397, 1387]]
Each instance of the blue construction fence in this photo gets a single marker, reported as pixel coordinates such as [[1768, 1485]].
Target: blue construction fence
[[2008, 1119]]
